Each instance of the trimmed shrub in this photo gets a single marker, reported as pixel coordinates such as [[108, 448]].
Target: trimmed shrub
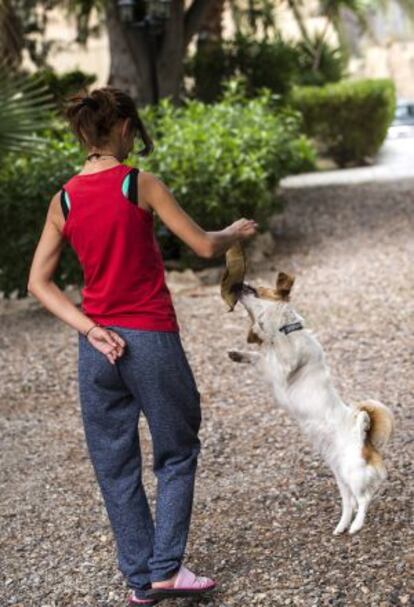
[[349, 118]]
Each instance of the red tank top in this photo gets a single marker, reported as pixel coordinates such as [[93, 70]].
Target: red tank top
[[114, 240]]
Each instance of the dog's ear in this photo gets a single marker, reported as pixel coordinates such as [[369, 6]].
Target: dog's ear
[[253, 338], [284, 284]]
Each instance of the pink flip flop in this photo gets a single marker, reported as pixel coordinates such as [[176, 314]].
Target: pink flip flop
[[186, 584]]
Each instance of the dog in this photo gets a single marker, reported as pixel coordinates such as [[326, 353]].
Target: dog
[[349, 437]]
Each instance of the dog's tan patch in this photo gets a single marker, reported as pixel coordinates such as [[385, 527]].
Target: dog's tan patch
[[267, 293], [371, 455], [382, 422], [284, 284]]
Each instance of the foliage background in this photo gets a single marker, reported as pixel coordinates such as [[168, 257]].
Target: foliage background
[[221, 161]]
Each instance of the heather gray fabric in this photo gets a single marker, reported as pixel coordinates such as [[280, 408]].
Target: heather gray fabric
[[152, 376]]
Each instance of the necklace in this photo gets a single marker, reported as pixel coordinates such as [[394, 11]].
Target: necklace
[[99, 155]]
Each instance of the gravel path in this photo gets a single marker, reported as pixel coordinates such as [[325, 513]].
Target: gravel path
[[265, 505]]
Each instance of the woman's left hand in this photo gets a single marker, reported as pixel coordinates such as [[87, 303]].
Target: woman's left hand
[[108, 342]]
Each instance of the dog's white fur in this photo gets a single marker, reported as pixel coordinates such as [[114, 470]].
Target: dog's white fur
[[347, 436]]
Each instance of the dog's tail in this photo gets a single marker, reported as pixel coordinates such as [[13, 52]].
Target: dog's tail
[[378, 423]]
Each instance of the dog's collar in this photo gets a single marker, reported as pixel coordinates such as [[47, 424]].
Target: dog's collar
[[293, 326]]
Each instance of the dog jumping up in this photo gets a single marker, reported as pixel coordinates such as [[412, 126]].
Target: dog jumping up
[[350, 438]]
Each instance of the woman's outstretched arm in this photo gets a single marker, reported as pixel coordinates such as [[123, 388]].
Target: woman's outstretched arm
[[154, 193]]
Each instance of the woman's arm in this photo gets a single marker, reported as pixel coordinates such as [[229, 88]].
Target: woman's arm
[[153, 193], [40, 285]]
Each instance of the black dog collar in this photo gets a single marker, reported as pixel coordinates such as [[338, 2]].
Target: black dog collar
[[293, 326]]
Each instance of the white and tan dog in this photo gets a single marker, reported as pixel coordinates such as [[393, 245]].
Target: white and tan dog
[[350, 438]]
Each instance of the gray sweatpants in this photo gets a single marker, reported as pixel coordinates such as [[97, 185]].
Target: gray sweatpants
[[152, 376]]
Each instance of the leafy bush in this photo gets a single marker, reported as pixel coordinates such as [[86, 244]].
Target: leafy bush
[[27, 183], [350, 118], [270, 64], [62, 85], [221, 161], [224, 161]]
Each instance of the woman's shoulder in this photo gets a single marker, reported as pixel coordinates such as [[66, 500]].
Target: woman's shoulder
[[149, 182]]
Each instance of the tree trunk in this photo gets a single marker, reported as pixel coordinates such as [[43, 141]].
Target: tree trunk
[[130, 67], [138, 57], [11, 37], [212, 25], [172, 52]]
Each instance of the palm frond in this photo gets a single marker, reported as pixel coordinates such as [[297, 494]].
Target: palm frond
[[26, 107]]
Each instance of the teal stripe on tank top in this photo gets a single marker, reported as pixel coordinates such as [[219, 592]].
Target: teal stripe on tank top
[[125, 185], [67, 199]]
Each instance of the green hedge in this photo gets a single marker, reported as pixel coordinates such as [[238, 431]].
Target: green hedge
[[349, 118], [221, 161]]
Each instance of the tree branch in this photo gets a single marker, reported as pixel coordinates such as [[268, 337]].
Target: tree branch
[[193, 19]]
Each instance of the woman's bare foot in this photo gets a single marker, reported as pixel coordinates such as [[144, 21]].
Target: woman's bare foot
[[165, 583]]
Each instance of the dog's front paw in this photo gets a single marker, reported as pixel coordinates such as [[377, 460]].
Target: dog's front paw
[[339, 529], [236, 356]]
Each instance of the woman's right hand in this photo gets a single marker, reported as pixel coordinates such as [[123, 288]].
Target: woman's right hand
[[107, 341], [243, 228]]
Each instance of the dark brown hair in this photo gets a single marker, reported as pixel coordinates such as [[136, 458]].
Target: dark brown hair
[[92, 116]]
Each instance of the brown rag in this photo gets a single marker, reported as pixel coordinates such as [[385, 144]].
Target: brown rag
[[233, 274]]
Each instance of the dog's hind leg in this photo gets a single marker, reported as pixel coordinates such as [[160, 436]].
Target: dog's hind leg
[[363, 503], [348, 502]]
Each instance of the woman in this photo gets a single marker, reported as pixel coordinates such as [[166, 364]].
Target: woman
[[130, 356]]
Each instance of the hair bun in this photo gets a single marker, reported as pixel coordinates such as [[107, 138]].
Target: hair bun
[[109, 105], [89, 102]]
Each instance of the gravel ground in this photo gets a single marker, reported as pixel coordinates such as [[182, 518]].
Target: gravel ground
[[265, 505]]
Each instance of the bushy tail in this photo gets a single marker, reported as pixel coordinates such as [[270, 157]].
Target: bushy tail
[[381, 425]]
